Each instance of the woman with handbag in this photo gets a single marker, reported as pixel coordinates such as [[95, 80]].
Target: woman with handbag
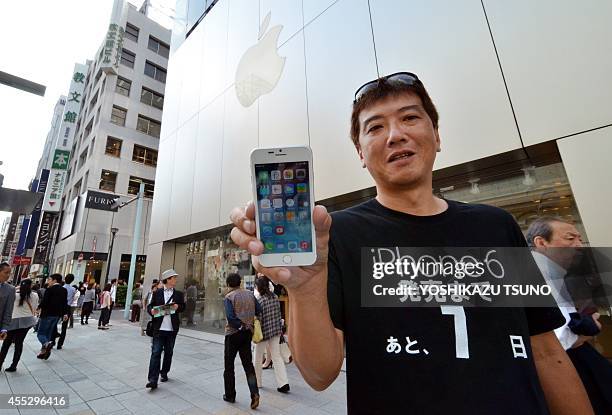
[[105, 303], [271, 327], [24, 317]]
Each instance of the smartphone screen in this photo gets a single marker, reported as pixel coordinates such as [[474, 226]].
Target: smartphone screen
[[283, 200]]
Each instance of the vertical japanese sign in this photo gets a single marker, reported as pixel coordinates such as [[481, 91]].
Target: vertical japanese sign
[[55, 189], [35, 219], [113, 43], [43, 242], [10, 235]]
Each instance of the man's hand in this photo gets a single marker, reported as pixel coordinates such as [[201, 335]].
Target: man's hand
[[583, 339], [3, 335], [65, 317], [154, 311], [295, 279], [175, 306]]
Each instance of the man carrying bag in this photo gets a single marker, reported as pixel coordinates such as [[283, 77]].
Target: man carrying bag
[[165, 306]]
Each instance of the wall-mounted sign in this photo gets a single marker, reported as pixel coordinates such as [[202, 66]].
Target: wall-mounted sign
[[55, 189], [139, 258], [60, 160], [100, 201], [43, 242], [113, 43]]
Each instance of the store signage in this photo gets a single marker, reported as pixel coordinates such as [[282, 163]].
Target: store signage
[[22, 260], [70, 115], [113, 43], [95, 256], [43, 242], [55, 189], [101, 201], [60, 160], [35, 219], [128, 258], [10, 235]]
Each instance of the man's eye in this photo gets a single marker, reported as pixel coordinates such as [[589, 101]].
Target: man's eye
[[374, 128], [410, 117]]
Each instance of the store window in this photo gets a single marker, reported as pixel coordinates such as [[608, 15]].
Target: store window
[[144, 155], [108, 180], [113, 146], [134, 186], [148, 126]]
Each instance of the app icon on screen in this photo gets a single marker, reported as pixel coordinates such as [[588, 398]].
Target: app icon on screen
[[302, 187], [292, 245], [277, 189], [269, 246], [262, 177], [288, 174], [266, 231], [290, 202], [289, 189], [277, 203], [300, 174], [290, 216], [264, 190], [276, 175], [303, 214], [279, 230], [304, 244], [278, 216], [280, 245], [264, 203], [266, 217]]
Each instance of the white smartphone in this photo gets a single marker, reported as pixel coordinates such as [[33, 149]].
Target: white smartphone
[[284, 199]]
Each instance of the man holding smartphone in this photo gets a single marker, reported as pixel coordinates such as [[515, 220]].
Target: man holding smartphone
[[394, 127]]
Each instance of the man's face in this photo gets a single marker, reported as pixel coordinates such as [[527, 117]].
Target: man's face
[[398, 142], [564, 237], [171, 282], [5, 274]]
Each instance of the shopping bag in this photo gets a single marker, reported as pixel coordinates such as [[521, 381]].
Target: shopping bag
[[257, 333], [284, 350]]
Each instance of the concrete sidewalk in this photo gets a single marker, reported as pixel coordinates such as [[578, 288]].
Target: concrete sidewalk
[[104, 372]]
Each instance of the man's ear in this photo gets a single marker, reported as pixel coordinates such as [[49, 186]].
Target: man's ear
[[363, 165], [540, 242], [438, 146]]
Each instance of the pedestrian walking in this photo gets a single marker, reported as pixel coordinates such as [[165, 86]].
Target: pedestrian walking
[[105, 308], [192, 296], [24, 317], [7, 299], [79, 300], [271, 327], [88, 303], [136, 303], [53, 307], [113, 298], [69, 321], [240, 310], [165, 307]]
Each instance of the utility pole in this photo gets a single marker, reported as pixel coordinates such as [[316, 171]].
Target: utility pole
[[135, 236]]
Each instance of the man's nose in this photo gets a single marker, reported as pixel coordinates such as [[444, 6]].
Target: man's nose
[[395, 134]]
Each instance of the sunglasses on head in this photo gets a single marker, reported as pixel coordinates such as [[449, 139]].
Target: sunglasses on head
[[403, 78]]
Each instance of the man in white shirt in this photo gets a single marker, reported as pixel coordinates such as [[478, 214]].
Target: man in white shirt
[[113, 294], [555, 243], [165, 327]]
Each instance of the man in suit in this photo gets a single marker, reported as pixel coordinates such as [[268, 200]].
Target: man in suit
[[165, 327], [7, 299], [53, 307]]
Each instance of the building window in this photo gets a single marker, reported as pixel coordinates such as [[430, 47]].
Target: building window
[[92, 146], [118, 115], [152, 98], [123, 86], [113, 147], [155, 72], [134, 185], [144, 155], [148, 126], [108, 180], [159, 47], [131, 32], [82, 158], [77, 188], [88, 128], [128, 58]]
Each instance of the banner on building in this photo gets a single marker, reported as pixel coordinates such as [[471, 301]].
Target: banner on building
[[60, 160], [55, 189], [101, 201], [113, 43], [10, 235], [141, 259], [35, 218], [70, 115], [43, 242]]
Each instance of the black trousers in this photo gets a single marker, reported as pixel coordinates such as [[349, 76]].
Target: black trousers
[[595, 371], [62, 334], [86, 311], [239, 343], [162, 341], [14, 336], [104, 316]]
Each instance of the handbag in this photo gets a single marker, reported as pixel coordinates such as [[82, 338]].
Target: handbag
[[284, 350], [257, 333]]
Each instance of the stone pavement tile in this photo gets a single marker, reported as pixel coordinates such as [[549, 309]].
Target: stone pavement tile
[[63, 388], [76, 409], [10, 411], [113, 386], [301, 409], [142, 406], [82, 384], [276, 399], [127, 396], [72, 377], [207, 402], [92, 394], [105, 406], [45, 411], [173, 404], [334, 407], [194, 411]]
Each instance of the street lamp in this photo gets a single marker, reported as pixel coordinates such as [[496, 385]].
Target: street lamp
[[110, 252]]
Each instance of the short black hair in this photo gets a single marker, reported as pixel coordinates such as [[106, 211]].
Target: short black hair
[[56, 277], [4, 265], [541, 227], [69, 278], [114, 280], [233, 280]]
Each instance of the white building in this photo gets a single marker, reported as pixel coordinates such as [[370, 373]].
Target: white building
[[47, 155], [115, 148], [523, 89]]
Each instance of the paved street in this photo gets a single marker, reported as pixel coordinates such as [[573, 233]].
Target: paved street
[[104, 372]]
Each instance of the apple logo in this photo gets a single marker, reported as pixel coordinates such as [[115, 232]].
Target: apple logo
[[260, 67]]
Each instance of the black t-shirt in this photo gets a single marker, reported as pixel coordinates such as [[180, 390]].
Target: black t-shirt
[[426, 373]]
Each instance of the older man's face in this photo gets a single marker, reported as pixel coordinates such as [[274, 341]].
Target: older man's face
[[564, 239]]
